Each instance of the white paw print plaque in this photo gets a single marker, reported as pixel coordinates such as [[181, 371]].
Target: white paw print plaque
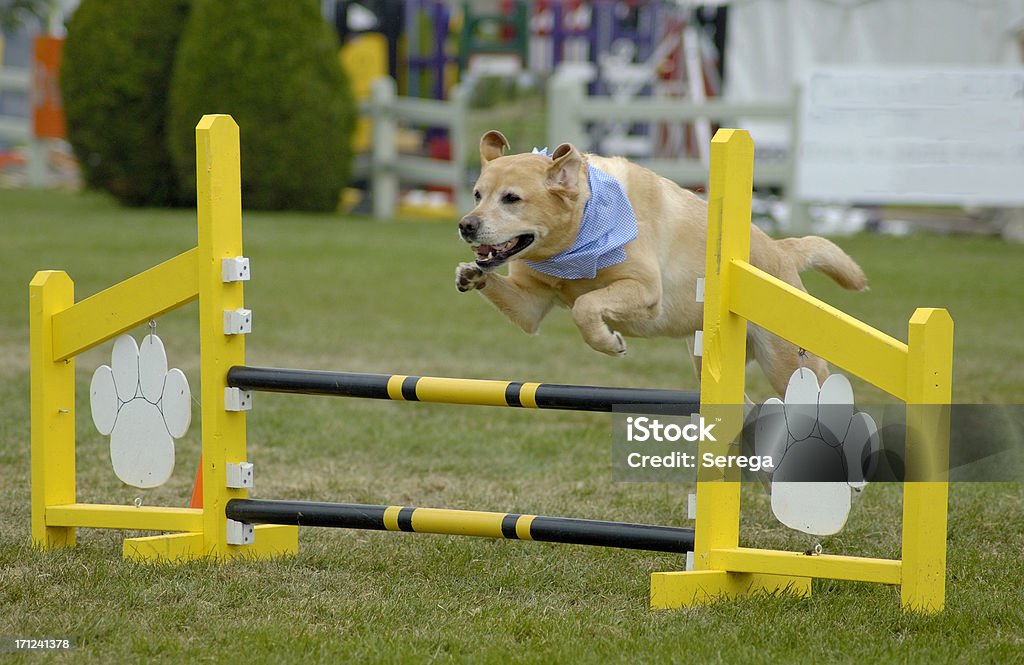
[[822, 451], [143, 407]]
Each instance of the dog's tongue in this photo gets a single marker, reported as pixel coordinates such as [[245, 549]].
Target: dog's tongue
[[485, 251]]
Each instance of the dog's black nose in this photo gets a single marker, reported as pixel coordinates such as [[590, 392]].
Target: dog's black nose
[[468, 227]]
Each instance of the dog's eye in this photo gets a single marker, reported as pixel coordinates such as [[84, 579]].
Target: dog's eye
[[476, 195], [511, 198]]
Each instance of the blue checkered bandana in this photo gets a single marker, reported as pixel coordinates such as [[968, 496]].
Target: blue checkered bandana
[[608, 223]]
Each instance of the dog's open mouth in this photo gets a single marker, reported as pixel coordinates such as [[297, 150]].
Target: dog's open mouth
[[489, 257]]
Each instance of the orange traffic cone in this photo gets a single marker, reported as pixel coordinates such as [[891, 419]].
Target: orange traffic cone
[[197, 489]]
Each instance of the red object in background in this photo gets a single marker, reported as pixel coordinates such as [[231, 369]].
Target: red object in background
[[507, 8], [11, 158], [439, 147], [47, 110]]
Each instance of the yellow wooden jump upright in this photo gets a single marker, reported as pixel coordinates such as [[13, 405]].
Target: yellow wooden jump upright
[[919, 372], [60, 329]]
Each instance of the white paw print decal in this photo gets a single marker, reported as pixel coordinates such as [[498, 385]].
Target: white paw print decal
[[821, 449], [143, 407]]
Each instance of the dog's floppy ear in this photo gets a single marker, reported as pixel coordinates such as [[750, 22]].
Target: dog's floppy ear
[[564, 172], [492, 145]]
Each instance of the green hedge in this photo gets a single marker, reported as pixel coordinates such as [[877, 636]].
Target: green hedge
[[117, 61], [274, 67]]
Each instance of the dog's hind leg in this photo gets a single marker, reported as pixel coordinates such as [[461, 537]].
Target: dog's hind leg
[[694, 357], [780, 358]]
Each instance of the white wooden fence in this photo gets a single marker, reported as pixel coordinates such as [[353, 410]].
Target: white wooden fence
[[570, 109], [16, 129], [385, 168], [569, 112]]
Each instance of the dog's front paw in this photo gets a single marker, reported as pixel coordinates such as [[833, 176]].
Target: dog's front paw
[[469, 276]]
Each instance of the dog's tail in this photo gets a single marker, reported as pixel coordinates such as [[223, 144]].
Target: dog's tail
[[825, 256]]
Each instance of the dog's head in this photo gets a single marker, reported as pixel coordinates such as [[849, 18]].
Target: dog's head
[[527, 205]]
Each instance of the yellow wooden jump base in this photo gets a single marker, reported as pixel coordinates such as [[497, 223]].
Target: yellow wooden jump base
[[735, 292]]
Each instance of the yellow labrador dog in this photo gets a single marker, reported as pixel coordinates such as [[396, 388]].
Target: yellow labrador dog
[[618, 245]]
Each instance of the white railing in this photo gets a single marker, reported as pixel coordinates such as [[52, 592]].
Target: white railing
[[18, 129], [16, 79], [385, 168], [570, 110]]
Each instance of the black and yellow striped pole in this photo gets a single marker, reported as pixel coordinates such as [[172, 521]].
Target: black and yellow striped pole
[[455, 391], [463, 523]]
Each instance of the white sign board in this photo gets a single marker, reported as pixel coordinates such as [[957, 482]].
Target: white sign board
[[926, 136]]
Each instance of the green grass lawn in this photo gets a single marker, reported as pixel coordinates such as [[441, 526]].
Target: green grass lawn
[[333, 293]]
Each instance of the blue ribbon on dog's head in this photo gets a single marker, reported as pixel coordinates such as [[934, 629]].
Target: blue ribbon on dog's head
[[607, 224]]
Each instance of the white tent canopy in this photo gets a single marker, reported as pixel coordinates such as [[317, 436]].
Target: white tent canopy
[[773, 44]]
